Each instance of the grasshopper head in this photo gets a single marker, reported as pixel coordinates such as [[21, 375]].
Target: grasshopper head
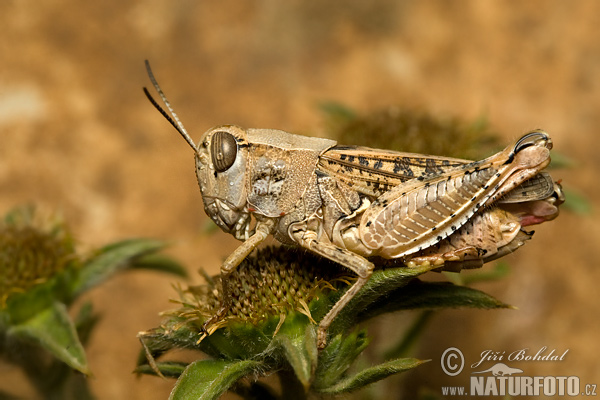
[[221, 162], [221, 158]]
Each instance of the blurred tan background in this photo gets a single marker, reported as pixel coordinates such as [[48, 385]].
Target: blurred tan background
[[78, 136]]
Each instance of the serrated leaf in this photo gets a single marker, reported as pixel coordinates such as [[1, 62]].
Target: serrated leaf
[[54, 330], [297, 339], [209, 379], [338, 356], [160, 263], [430, 295], [372, 374], [111, 259]]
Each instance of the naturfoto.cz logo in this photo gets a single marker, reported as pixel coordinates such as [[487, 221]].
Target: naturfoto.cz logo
[[501, 379]]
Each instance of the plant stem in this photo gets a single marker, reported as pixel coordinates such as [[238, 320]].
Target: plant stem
[[410, 337]]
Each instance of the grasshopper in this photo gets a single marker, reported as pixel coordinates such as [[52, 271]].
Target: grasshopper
[[350, 204]]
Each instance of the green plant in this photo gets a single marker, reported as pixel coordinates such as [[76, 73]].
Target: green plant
[[280, 296], [41, 275]]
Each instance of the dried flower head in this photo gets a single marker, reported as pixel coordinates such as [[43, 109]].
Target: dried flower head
[[272, 283], [31, 252], [279, 295]]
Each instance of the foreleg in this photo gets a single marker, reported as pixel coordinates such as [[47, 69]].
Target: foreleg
[[263, 229]]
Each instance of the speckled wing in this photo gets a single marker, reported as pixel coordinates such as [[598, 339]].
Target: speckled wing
[[540, 187], [373, 172]]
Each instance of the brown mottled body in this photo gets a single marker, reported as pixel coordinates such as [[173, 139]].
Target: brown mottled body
[[350, 203]]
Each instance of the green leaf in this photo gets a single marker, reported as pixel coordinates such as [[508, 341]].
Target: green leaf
[[372, 374], [170, 369], [239, 340], [297, 339], [85, 322], [55, 331], [23, 306], [337, 111], [576, 202], [430, 295], [380, 286], [20, 215], [209, 379], [111, 259], [338, 356], [161, 263], [561, 160], [160, 340]]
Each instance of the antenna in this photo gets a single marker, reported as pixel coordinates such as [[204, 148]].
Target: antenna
[[173, 119]]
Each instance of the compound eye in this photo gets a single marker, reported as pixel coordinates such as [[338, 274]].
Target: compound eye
[[223, 149]]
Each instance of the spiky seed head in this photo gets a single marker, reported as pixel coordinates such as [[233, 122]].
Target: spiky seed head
[[272, 282], [31, 252]]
